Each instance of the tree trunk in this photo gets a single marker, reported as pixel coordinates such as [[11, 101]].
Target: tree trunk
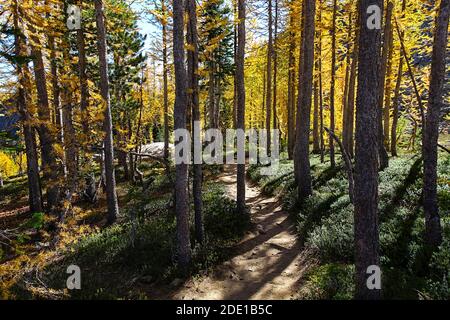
[[382, 153], [84, 90], [319, 59], [111, 196], [316, 112], [240, 124], [275, 68], [55, 90], [333, 82], [181, 169], [269, 79], [345, 101], [348, 140], [433, 232], [211, 95], [387, 91], [192, 59], [235, 34], [396, 101], [302, 167], [366, 156], [49, 156], [34, 184], [291, 86], [165, 84], [70, 141]]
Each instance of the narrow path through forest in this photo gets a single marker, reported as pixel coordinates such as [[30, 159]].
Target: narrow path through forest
[[268, 262]]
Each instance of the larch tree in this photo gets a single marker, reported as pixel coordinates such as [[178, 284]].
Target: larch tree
[[348, 125], [181, 169], [433, 230], [302, 164], [165, 79], [194, 105], [20, 60], [240, 120], [333, 83], [396, 100], [111, 196], [366, 152], [382, 153], [51, 167], [291, 82], [275, 68], [269, 77]]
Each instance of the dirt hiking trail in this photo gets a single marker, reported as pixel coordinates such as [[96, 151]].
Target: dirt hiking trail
[[268, 262]]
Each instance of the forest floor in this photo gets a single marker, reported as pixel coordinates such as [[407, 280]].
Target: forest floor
[[267, 263]]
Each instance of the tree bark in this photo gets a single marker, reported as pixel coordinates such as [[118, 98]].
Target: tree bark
[[433, 230], [275, 68], [111, 196], [34, 184], [366, 156], [165, 83], [192, 58], [240, 124], [84, 90], [348, 110], [387, 92], [49, 156], [348, 140], [347, 78], [269, 79], [302, 167], [291, 85], [382, 153], [396, 101], [181, 169], [319, 59], [333, 81]]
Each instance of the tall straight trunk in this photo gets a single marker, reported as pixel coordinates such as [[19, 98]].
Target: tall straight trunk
[[235, 34], [139, 137], [192, 59], [348, 140], [275, 68], [319, 45], [366, 159], [291, 86], [382, 153], [111, 196], [181, 169], [241, 102], [49, 157], [211, 95], [55, 90], [433, 231], [333, 82], [347, 81], [130, 156], [269, 79], [70, 141], [387, 92], [316, 113], [396, 101], [84, 90], [302, 167], [165, 84], [263, 105], [316, 138], [34, 184]]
